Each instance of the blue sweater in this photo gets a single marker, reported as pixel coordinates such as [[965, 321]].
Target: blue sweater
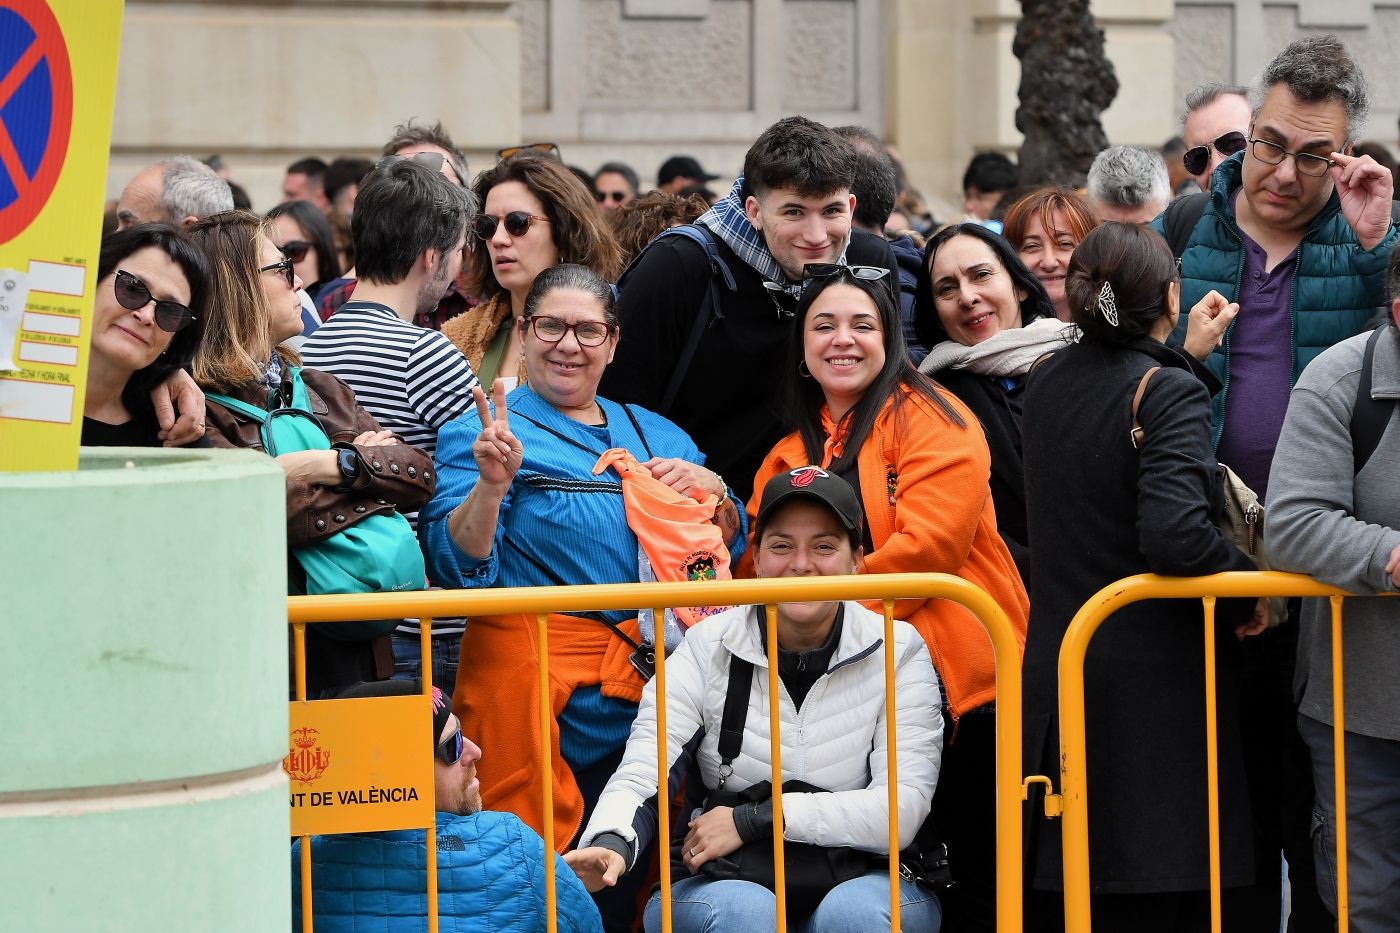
[[490, 879], [558, 524]]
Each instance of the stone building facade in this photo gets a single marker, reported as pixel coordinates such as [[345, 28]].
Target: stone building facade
[[264, 83]]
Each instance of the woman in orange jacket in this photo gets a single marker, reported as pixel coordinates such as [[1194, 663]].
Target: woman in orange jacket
[[919, 463]]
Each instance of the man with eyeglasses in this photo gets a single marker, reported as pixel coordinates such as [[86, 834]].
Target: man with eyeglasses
[[1296, 231], [490, 865]]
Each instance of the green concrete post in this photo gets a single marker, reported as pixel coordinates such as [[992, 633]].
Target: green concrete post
[[143, 710]]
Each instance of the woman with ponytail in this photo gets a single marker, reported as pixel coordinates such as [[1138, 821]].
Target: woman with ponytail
[[1102, 505]]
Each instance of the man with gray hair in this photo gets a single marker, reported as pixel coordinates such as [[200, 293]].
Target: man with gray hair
[[1213, 127], [178, 190], [1128, 185], [1296, 231]]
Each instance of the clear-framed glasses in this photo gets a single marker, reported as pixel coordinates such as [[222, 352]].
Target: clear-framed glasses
[[587, 333], [1306, 163]]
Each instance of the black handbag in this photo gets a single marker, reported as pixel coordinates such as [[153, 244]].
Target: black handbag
[[811, 871]]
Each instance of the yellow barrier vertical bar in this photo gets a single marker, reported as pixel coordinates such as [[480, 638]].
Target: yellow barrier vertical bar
[[891, 766], [1339, 770], [299, 672], [546, 771], [663, 784], [425, 676], [1212, 767], [775, 714]]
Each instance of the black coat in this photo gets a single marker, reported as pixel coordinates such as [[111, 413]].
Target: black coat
[[1099, 510], [999, 411]]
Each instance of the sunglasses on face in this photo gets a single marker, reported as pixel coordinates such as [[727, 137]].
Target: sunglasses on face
[[546, 148], [587, 333], [283, 267], [1195, 160], [617, 197], [516, 222], [133, 295], [450, 751], [295, 250], [432, 160]]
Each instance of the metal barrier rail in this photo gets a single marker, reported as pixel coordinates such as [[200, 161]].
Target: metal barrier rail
[[1073, 802], [539, 601]]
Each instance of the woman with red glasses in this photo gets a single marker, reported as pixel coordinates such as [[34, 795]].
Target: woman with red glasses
[[147, 322], [366, 471], [535, 214]]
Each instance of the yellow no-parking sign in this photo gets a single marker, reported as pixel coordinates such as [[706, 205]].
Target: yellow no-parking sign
[[58, 73]]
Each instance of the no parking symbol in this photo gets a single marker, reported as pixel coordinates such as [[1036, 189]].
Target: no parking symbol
[[36, 111]]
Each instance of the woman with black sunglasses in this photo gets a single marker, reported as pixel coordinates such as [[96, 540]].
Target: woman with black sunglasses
[[535, 214], [365, 472], [147, 322], [918, 460], [304, 236]]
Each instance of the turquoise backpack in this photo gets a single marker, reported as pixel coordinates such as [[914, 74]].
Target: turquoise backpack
[[378, 554]]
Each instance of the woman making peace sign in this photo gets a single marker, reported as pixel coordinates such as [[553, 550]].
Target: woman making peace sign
[[518, 504]]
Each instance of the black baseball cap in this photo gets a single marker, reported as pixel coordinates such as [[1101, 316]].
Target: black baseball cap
[[682, 167], [812, 482]]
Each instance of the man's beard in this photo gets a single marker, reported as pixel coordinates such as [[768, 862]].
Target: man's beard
[[432, 291], [471, 799]]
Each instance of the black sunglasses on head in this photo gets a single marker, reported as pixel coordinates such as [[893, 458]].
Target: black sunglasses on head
[[133, 295], [1195, 160]]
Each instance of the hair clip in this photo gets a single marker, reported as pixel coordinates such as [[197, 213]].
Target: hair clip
[[1108, 305]]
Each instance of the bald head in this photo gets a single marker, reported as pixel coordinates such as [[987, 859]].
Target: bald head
[[178, 190]]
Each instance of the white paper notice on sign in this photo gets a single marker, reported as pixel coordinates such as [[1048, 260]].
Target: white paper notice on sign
[[14, 292]]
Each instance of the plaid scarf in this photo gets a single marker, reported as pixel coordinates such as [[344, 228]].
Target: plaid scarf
[[271, 379]]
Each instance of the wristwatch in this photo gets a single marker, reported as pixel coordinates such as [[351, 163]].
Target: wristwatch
[[349, 463]]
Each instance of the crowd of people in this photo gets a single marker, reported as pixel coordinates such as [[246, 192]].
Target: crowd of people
[[544, 377]]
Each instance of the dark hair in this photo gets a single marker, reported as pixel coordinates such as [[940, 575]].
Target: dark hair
[[897, 379], [874, 182], [310, 166], [579, 233], [570, 275], [1392, 276], [582, 175], [620, 168], [343, 172], [318, 233], [990, 171], [136, 395], [800, 154], [1136, 264], [1378, 152], [1035, 305], [636, 223], [1173, 148], [241, 201], [403, 210], [416, 134], [1316, 69]]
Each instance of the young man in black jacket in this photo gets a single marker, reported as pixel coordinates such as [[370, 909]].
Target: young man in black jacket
[[792, 206]]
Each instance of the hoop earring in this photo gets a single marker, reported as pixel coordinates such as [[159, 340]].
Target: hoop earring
[[802, 369]]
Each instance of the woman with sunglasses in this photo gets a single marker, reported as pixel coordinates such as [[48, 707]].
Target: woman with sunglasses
[[147, 322], [535, 214], [919, 462], [368, 471], [1044, 227], [521, 501], [304, 236]]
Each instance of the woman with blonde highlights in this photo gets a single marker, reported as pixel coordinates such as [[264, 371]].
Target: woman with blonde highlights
[[1044, 227]]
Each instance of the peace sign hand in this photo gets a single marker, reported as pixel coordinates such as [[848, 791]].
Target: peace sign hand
[[1364, 187], [498, 452]]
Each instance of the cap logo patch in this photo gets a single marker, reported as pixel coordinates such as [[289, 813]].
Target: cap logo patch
[[804, 476]]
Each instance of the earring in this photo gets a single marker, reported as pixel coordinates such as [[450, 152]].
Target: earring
[[802, 369]]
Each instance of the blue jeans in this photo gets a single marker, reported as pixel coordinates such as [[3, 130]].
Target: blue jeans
[[701, 905], [1373, 825], [408, 659]]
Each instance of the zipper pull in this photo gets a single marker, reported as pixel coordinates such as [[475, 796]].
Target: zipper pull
[[1251, 522]]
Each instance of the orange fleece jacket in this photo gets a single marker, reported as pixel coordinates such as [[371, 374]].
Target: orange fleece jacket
[[924, 485]]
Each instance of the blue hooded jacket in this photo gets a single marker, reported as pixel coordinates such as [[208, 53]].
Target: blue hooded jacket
[[490, 880]]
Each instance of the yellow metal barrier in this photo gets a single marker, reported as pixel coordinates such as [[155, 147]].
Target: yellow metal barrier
[[540, 601], [1073, 798]]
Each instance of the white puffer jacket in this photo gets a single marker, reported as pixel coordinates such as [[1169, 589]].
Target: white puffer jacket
[[837, 741]]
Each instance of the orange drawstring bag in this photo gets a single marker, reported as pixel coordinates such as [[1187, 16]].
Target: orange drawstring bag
[[678, 540]]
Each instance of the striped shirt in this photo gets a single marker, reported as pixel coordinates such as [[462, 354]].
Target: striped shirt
[[411, 379]]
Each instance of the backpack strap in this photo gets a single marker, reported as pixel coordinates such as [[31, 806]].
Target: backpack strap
[[1136, 434], [243, 408], [1369, 416], [1181, 217], [736, 711]]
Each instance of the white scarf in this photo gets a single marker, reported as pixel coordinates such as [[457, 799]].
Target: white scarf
[[1006, 353]]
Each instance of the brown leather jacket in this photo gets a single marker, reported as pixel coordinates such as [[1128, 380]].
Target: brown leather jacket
[[393, 477]]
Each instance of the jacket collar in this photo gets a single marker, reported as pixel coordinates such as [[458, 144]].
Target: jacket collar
[[1230, 175], [859, 637], [1385, 374]]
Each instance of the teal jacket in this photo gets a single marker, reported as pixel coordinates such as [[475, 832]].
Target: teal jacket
[[1336, 287]]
